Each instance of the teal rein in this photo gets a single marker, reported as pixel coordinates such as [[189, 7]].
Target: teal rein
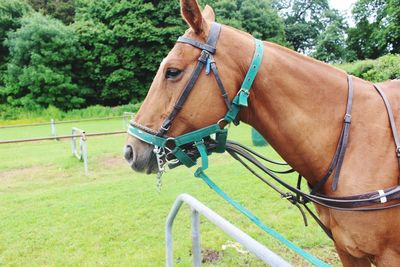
[[197, 138]]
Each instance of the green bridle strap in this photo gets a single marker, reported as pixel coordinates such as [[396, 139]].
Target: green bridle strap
[[146, 137], [309, 257], [197, 136], [241, 99]]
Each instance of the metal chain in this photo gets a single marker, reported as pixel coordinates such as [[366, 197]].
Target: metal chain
[[160, 154]]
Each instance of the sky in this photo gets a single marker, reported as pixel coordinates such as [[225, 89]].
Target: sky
[[345, 7], [342, 4]]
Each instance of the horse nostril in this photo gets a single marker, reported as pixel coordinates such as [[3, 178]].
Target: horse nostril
[[128, 153]]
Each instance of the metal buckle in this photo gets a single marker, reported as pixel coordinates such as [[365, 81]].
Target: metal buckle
[[170, 140], [165, 129], [220, 123], [244, 91], [196, 143]]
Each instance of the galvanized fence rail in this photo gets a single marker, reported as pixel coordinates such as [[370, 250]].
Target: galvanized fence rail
[[197, 208], [53, 123], [56, 137], [126, 117], [80, 154]]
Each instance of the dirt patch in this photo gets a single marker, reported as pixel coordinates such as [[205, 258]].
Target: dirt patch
[[210, 256], [27, 172], [112, 161]]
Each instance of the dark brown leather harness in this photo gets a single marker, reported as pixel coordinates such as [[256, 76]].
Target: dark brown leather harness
[[362, 202]]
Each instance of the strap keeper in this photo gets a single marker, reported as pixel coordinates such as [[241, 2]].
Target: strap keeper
[[347, 118], [203, 56], [243, 96], [383, 198]]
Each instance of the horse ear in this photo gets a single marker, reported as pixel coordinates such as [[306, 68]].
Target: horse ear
[[208, 13], [191, 13]]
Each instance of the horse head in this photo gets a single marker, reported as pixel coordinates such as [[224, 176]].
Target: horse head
[[205, 104]]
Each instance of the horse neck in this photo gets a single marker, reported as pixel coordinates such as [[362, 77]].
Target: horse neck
[[298, 105]]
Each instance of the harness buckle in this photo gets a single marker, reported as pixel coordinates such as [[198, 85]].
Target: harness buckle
[[244, 91], [170, 141], [222, 123], [204, 56], [165, 128], [196, 143]]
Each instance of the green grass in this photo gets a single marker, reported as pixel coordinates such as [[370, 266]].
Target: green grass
[[52, 215], [19, 115]]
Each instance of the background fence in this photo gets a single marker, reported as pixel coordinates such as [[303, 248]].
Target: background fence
[[49, 130]]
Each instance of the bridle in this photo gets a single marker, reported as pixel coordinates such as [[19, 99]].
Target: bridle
[[203, 139], [165, 146]]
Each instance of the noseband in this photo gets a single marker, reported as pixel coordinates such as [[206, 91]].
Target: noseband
[[165, 145]]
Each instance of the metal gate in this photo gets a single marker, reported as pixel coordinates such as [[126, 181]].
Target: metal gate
[[197, 208]]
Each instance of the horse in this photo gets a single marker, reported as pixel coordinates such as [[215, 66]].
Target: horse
[[297, 103]]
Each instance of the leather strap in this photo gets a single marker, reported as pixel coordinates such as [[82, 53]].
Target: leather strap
[[185, 93], [205, 59], [207, 48], [210, 49], [346, 131], [337, 161], [219, 82], [392, 121]]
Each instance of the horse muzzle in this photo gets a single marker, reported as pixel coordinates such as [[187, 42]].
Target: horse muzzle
[[140, 156]]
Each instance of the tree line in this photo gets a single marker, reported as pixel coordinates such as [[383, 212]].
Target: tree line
[[76, 53]]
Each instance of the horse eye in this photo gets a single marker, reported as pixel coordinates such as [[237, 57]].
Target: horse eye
[[172, 73]]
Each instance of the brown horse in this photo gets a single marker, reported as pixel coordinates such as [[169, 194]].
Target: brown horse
[[297, 104]]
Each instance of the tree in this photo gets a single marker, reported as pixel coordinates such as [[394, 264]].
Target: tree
[[377, 30], [392, 31], [40, 68], [303, 22], [331, 43], [121, 44], [256, 17], [11, 11], [367, 39], [63, 10]]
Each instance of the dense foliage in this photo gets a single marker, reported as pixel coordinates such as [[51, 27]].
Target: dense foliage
[[122, 44], [377, 30], [40, 69], [63, 10], [75, 53], [11, 11], [381, 69], [256, 17]]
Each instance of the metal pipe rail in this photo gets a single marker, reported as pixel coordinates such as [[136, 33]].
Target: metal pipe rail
[[82, 154], [63, 122], [263, 253], [57, 137]]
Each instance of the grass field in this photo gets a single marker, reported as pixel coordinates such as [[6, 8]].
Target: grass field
[[53, 215]]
